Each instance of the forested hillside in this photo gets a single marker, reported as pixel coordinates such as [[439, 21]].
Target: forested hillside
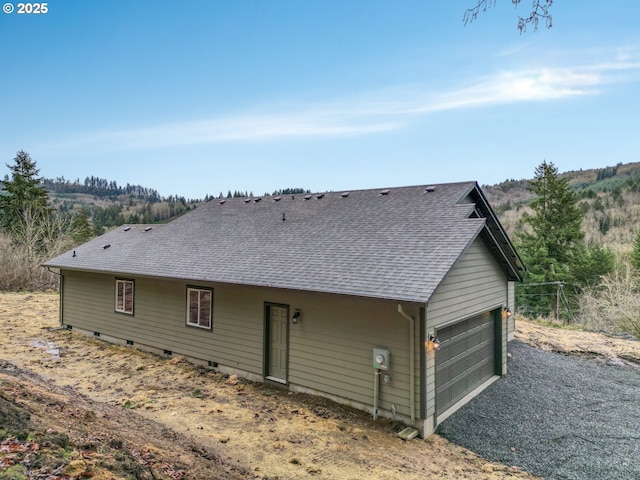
[[609, 197], [587, 240], [107, 204], [578, 234], [40, 217]]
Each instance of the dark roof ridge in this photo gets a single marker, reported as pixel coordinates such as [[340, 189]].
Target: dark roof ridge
[[251, 199]]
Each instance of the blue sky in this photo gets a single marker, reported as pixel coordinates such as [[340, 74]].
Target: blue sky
[[199, 97]]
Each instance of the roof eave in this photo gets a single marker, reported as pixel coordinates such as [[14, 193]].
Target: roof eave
[[394, 298], [502, 242]]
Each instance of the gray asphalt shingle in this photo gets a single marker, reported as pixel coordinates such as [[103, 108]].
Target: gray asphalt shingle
[[397, 246]]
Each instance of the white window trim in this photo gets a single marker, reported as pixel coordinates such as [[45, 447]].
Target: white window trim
[[124, 282], [200, 290]]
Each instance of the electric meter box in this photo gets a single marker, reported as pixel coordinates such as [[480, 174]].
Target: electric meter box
[[381, 358]]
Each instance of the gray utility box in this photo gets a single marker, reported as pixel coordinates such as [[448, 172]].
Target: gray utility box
[[381, 358]]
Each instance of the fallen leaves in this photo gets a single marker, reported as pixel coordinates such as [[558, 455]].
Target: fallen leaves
[[17, 453]]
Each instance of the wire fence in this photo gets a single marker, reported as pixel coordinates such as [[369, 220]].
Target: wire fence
[[547, 300]]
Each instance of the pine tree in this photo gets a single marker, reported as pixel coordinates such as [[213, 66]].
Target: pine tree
[[24, 191], [554, 236], [551, 244], [80, 229]]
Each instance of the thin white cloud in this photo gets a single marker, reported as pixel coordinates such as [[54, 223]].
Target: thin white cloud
[[377, 111], [248, 127], [510, 87]]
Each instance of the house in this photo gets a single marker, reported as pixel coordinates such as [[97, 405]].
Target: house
[[344, 295]]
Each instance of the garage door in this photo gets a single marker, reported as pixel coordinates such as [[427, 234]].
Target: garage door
[[465, 359]]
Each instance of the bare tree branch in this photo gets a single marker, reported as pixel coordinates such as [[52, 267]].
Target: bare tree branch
[[472, 13], [539, 12]]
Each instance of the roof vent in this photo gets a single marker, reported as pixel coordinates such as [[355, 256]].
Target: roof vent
[[307, 197], [385, 192], [126, 229], [430, 188], [246, 200], [257, 199], [320, 196], [146, 229], [277, 199], [221, 202], [105, 246], [344, 194]]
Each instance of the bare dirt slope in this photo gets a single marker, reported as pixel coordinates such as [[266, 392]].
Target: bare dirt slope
[[578, 342], [83, 408]]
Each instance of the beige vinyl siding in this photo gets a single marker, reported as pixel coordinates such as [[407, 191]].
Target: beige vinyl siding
[[330, 350], [511, 286], [475, 284], [511, 304], [160, 319]]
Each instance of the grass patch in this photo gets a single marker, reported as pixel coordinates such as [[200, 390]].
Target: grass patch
[[197, 393], [15, 472]]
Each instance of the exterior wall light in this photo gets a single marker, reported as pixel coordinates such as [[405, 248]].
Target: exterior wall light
[[435, 343], [297, 316], [507, 312]]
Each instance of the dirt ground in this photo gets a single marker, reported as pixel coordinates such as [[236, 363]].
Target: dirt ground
[[578, 342], [73, 407]]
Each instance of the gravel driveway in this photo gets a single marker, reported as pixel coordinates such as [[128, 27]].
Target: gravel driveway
[[557, 416]]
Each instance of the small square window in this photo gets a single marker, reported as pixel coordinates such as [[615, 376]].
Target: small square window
[[199, 306], [124, 296]]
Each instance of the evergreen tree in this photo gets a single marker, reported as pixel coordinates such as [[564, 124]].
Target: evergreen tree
[[24, 191], [591, 264], [554, 236], [551, 244], [80, 229]]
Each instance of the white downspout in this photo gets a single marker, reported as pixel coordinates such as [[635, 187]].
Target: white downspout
[[412, 386]]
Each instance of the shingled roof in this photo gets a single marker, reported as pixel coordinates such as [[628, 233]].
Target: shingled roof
[[396, 243]]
